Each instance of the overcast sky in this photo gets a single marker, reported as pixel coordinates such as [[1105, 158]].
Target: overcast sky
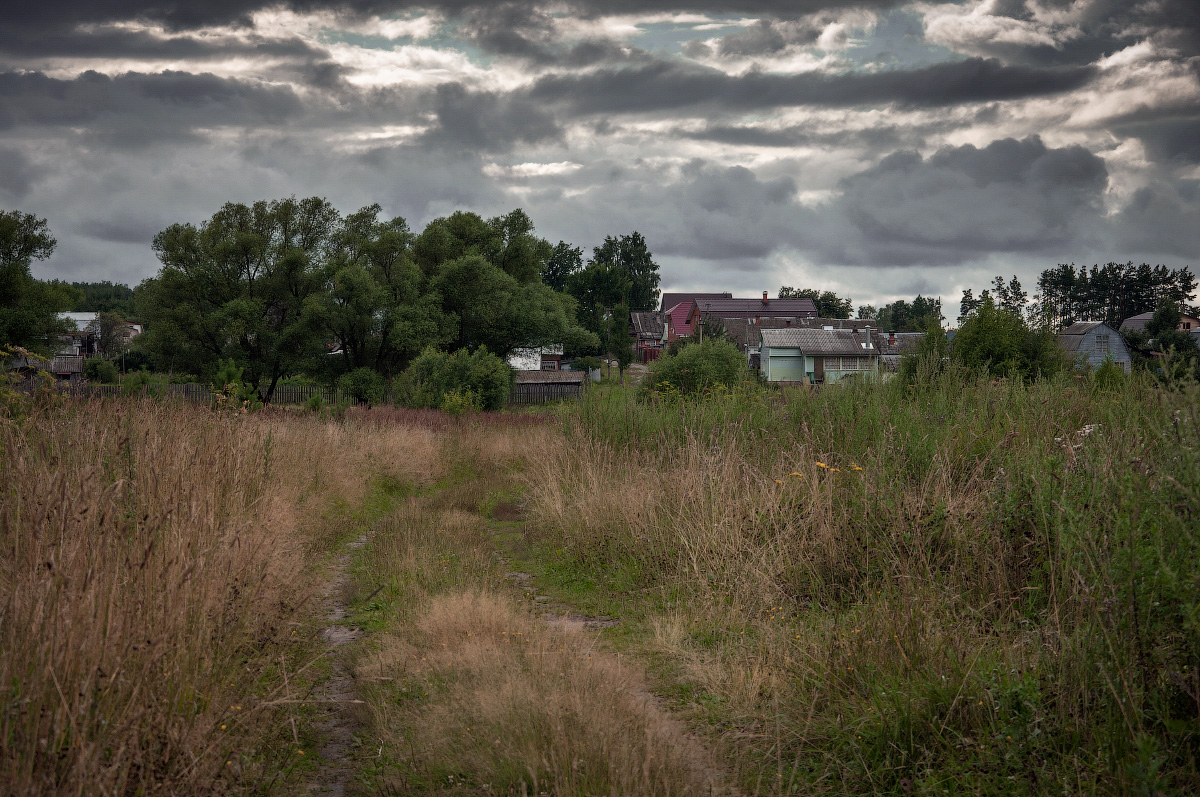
[[879, 149]]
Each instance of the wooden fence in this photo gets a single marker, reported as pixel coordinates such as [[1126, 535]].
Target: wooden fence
[[543, 392]]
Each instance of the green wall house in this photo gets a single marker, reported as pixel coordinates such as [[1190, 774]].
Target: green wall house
[[819, 355]]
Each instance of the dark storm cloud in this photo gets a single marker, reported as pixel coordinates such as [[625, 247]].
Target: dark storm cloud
[[963, 202], [875, 138], [17, 175], [673, 86], [1174, 138], [184, 14], [523, 31], [168, 100], [487, 121], [1161, 219], [1097, 29], [111, 42], [765, 37], [122, 230]]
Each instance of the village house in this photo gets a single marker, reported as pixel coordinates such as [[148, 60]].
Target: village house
[[817, 355], [1187, 323], [1094, 342]]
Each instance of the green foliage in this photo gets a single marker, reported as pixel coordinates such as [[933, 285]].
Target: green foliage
[[1015, 510], [586, 363], [461, 401], [98, 370], [1109, 293], [29, 307], [1109, 376], [697, 368], [144, 383], [902, 316], [629, 258], [999, 341], [437, 374], [930, 357], [620, 339], [315, 404], [829, 304], [363, 385], [231, 391], [564, 261], [103, 297]]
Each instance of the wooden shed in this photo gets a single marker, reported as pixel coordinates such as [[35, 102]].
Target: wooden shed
[[540, 387]]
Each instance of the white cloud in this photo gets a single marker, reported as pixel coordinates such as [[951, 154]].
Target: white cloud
[[531, 169]]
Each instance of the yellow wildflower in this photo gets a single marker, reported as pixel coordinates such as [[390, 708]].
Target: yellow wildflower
[[822, 465]]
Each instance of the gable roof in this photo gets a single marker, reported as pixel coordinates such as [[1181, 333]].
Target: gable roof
[[1072, 337], [679, 318], [1082, 327], [543, 377], [754, 308], [819, 341], [648, 325], [669, 300]]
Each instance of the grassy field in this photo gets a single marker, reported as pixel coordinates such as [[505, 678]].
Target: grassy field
[[971, 586]]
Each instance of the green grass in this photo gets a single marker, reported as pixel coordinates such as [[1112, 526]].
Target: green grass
[[1027, 593]]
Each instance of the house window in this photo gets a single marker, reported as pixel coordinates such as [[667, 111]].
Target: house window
[[1102, 343]]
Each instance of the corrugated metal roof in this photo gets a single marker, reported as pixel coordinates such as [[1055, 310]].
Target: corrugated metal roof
[[648, 325], [819, 341], [750, 308], [1081, 327], [669, 300], [529, 377]]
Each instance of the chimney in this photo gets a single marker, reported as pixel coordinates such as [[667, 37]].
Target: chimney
[[764, 298], [892, 338]]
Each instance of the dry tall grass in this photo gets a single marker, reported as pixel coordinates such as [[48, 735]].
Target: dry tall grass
[[151, 587], [470, 692]]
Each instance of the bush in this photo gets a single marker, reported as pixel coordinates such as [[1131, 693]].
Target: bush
[[436, 376], [98, 370], [698, 367], [143, 381], [363, 386], [999, 341]]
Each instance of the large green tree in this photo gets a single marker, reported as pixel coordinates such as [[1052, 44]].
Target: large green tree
[[829, 304], [236, 287], [903, 316], [630, 258], [29, 307]]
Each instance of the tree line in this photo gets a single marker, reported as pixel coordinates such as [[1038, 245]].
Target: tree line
[[1110, 293], [293, 286]]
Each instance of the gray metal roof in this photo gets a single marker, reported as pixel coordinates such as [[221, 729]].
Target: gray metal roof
[[530, 377], [648, 324], [819, 341], [1081, 327]]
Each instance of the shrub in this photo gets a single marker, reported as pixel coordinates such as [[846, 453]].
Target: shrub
[[437, 374], [929, 358], [144, 381], [98, 370], [363, 385], [460, 402], [999, 341], [231, 391], [698, 367]]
